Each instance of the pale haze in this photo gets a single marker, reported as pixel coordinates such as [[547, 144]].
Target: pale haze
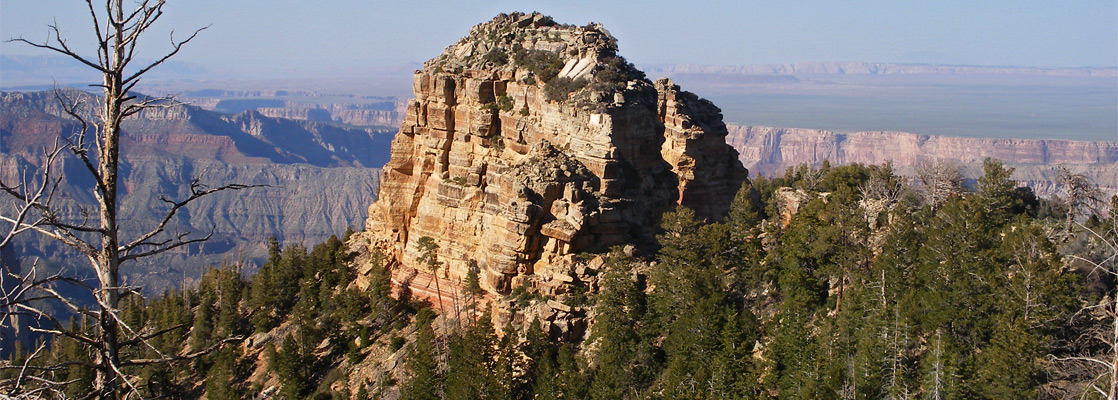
[[312, 37]]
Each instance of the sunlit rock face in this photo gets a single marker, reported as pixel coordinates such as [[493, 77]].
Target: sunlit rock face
[[529, 141]]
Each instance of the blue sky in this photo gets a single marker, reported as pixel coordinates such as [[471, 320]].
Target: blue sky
[[345, 35]]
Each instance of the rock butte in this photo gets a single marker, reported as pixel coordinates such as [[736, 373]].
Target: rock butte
[[514, 175]]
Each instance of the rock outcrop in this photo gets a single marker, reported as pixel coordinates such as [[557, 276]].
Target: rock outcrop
[[529, 141], [768, 151]]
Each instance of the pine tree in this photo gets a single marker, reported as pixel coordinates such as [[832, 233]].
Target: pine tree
[[746, 250], [294, 365], [996, 192], [537, 352], [429, 257], [472, 371], [560, 377], [423, 380], [220, 377], [624, 360]]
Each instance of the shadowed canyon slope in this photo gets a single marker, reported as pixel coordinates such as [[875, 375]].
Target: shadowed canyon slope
[[318, 177], [529, 141]]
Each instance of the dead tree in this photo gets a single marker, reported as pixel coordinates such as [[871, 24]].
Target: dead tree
[[94, 233], [1079, 195], [1096, 369], [938, 181]]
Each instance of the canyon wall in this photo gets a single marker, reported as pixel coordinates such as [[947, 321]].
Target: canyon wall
[[349, 114], [768, 151], [316, 180]]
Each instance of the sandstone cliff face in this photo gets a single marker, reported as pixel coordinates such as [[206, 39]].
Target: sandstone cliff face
[[516, 175], [769, 151]]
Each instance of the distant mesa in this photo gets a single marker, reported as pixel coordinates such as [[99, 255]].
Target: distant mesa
[[876, 68], [768, 151], [46, 71], [529, 141]]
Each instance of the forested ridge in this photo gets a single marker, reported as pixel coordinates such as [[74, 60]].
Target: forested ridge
[[839, 282]]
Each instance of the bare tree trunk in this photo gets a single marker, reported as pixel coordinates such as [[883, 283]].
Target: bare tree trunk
[[439, 292], [1114, 352], [117, 32], [106, 379]]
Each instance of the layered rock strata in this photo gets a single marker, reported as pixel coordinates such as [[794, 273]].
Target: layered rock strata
[[768, 151], [529, 141], [315, 179]]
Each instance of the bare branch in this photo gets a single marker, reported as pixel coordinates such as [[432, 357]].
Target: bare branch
[[158, 102], [198, 191], [68, 333], [26, 363], [67, 238], [190, 356], [1089, 360], [96, 28], [151, 335], [53, 367], [34, 201], [168, 245], [148, 15], [117, 32], [70, 107], [61, 48], [177, 46]]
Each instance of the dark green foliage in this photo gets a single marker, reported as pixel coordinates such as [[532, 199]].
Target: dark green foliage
[[309, 290], [745, 230], [559, 376], [295, 366], [971, 300], [997, 191], [613, 73], [544, 65], [395, 343], [221, 380], [218, 311], [696, 313], [276, 284], [559, 89], [626, 361], [497, 56], [505, 103], [68, 349], [523, 297], [424, 381], [479, 365]]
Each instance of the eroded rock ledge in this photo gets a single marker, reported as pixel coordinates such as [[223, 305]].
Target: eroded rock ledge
[[528, 142]]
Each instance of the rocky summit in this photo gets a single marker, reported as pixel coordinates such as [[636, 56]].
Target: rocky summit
[[530, 141]]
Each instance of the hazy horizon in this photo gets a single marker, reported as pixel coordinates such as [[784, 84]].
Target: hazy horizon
[[355, 48], [291, 37]]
